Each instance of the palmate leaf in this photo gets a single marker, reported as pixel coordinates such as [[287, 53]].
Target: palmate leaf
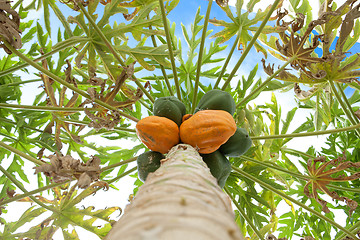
[[303, 7], [37, 232], [93, 57], [321, 176], [289, 117], [140, 53], [139, 25], [16, 166], [141, 18], [254, 212], [122, 154], [314, 69], [111, 9], [26, 217], [158, 54], [187, 71], [137, 28], [242, 24], [75, 217], [67, 213], [72, 215]]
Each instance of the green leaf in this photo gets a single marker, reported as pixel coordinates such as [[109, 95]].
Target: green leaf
[[158, 54], [70, 236], [289, 117], [241, 23], [26, 217], [47, 15]]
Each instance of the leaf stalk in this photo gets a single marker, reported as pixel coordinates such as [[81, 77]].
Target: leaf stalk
[[63, 82], [201, 52], [285, 196], [20, 153], [243, 214], [251, 43], [307, 134], [171, 53]]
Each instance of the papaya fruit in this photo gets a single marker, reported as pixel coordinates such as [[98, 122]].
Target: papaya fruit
[[207, 130], [219, 166], [237, 144], [159, 134], [169, 107], [148, 162], [216, 99]]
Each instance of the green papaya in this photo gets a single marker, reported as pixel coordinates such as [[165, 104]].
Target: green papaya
[[169, 107], [237, 144], [217, 100], [148, 162], [219, 166]]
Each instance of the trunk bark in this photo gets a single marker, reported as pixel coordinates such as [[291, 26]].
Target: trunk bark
[[179, 201]]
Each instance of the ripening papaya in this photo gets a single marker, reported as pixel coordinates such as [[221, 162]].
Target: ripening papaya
[[158, 133]]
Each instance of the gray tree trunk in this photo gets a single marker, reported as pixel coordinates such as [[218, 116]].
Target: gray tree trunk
[[180, 201]]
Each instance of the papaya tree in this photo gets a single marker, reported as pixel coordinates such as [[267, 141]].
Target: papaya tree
[[230, 119]]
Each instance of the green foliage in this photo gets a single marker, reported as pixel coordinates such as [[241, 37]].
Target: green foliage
[[242, 24], [114, 58]]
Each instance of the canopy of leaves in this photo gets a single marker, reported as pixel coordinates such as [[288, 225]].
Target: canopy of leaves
[[74, 84]]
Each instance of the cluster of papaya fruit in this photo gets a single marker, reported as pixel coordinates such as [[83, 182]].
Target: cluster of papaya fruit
[[211, 130]]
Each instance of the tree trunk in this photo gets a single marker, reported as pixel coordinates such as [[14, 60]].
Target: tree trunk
[[180, 201]]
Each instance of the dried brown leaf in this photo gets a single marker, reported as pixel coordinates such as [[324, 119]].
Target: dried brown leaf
[[1, 208], [84, 180], [105, 2], [272, 237], [298, 22], [301, 94], [101, 184], [129, 17], [45, 168], [109, 119], [357, 114], [222, 3], [347, 27], [9, 26], [10, 193], [92, 92], [268, 69], [63, 168], [96, 81], [68, 77], [40, 154], [51, 98], [76, 7], [308, 238], [321, 177]]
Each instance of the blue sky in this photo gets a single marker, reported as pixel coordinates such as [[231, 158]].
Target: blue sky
[[184, 13]]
